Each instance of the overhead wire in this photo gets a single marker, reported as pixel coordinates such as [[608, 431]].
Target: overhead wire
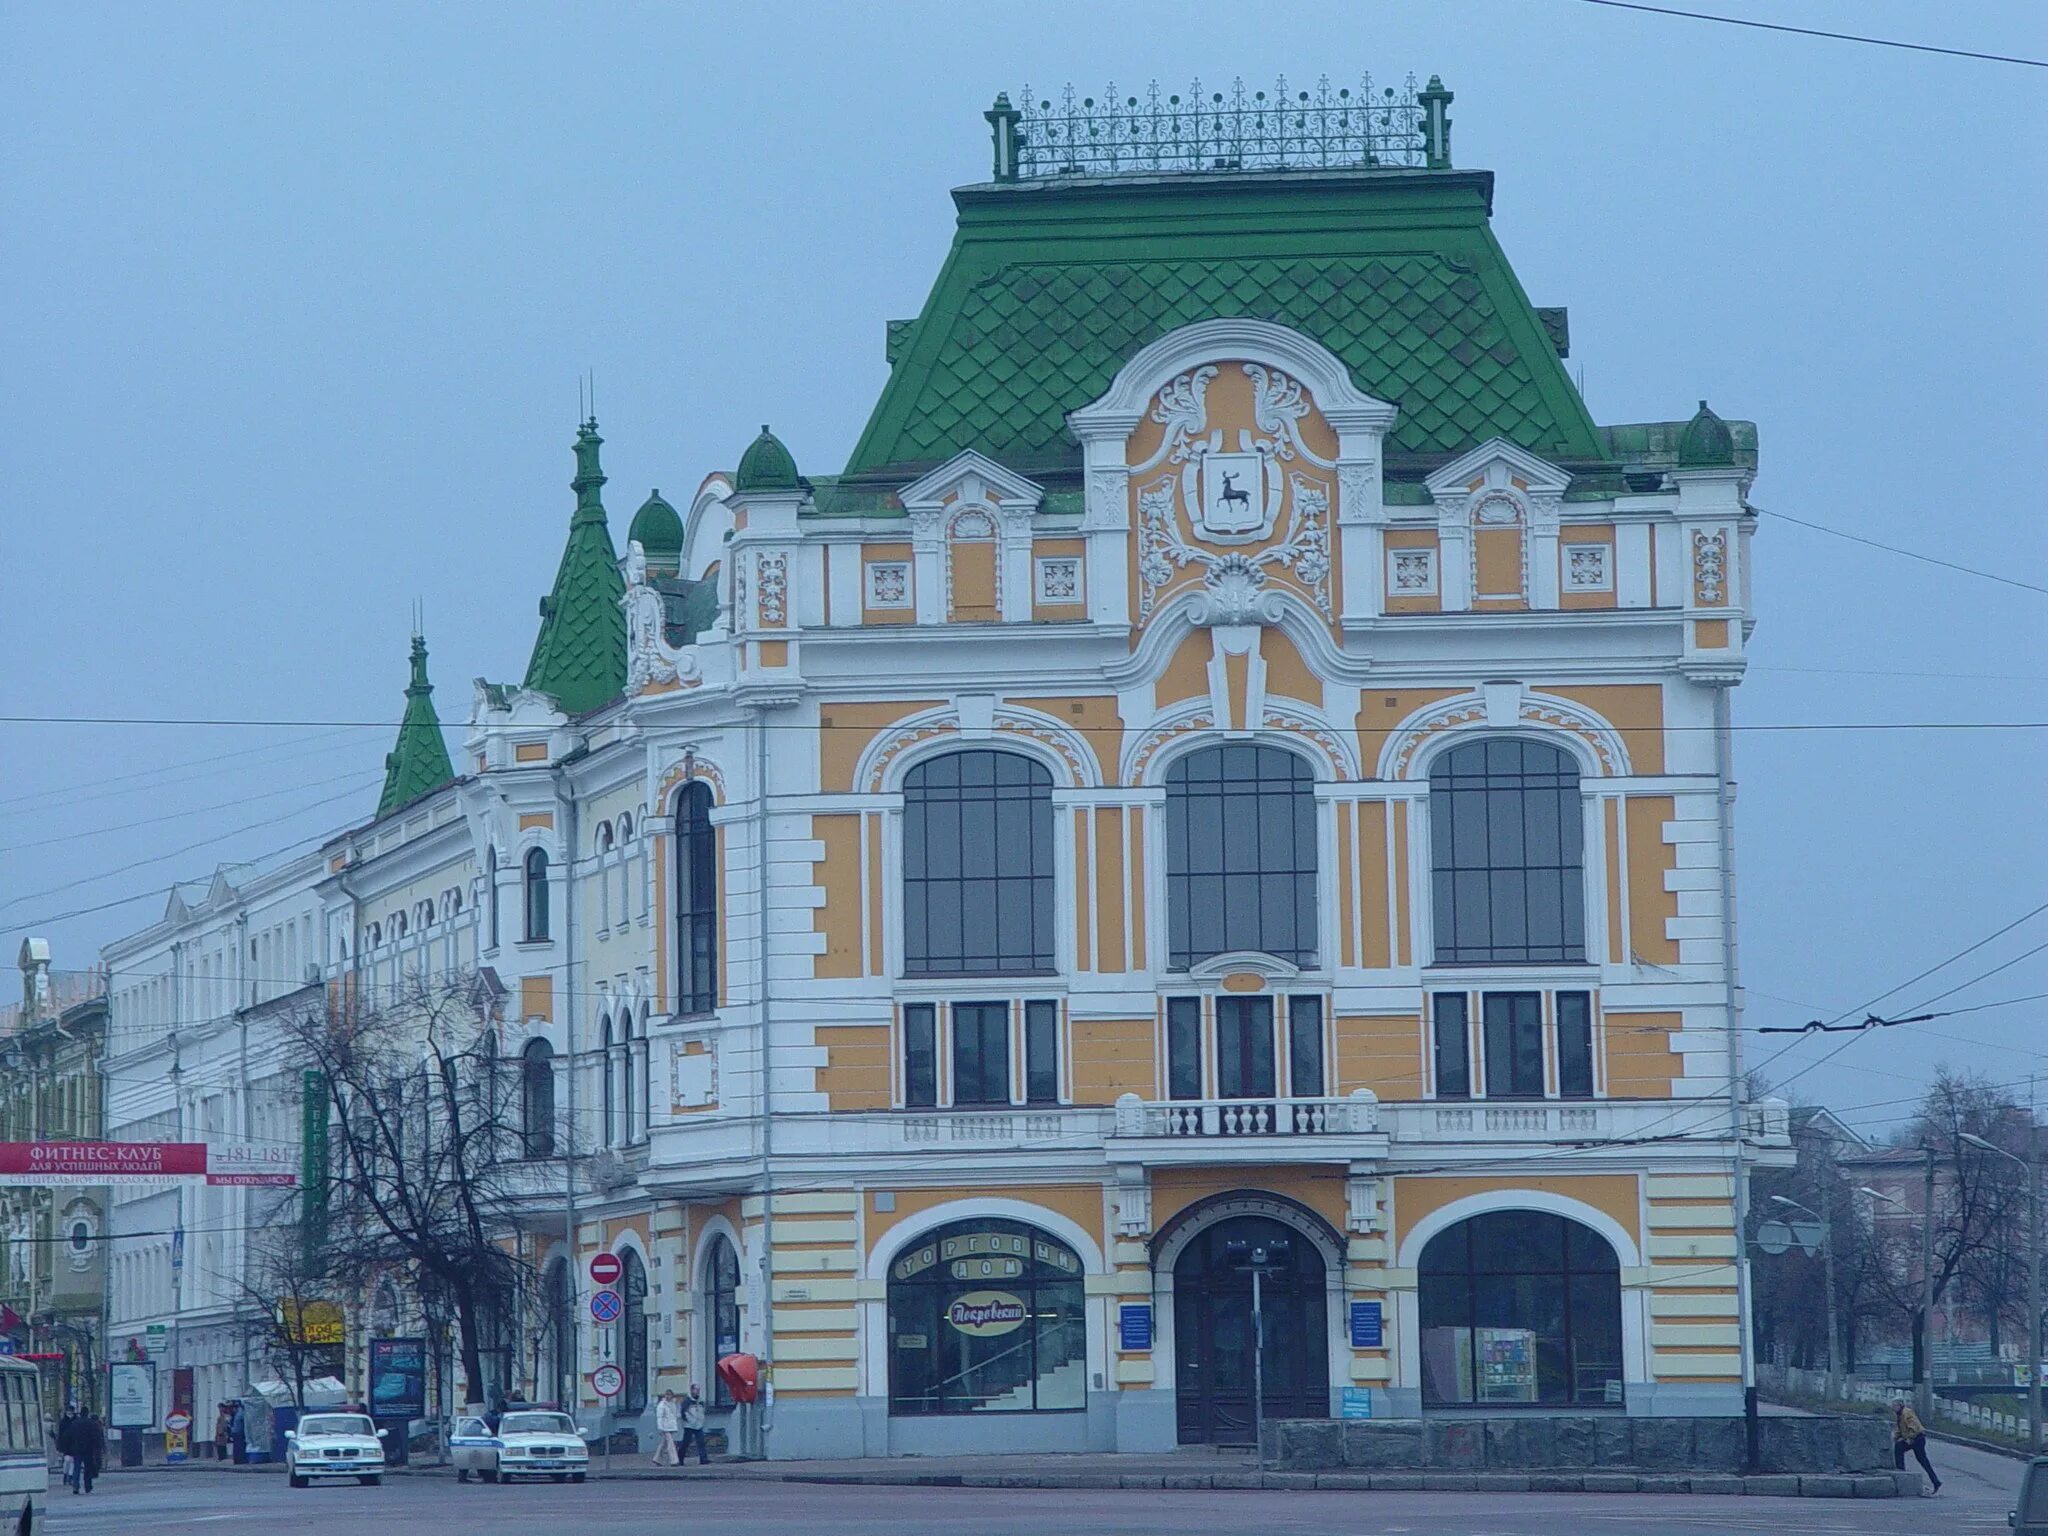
[[1821, 32]]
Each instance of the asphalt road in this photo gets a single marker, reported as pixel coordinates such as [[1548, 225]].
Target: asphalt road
[[1975, 1500]]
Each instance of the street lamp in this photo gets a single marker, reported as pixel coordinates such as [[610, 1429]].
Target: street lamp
[[1827, 1253], [2033, 1166], [1262, 1259]]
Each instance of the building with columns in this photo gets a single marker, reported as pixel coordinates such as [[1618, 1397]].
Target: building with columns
[[1233, 771]]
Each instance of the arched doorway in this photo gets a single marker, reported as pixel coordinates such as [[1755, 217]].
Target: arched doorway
[[1214, 1363], [1520, 1307]]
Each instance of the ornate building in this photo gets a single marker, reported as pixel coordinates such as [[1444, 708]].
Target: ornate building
[[1233, 770]]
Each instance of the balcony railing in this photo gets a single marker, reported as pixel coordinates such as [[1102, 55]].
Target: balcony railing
[[1356, 1115]]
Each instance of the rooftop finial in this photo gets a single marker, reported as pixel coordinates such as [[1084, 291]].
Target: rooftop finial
[[589, 475]]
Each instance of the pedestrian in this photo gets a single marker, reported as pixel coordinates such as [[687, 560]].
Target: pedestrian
[[67, 1447], [92, 1448], [668, 1418], [496, 1413], [1909, 1434], [693, 1426], [222, 1419], [238, 1433]]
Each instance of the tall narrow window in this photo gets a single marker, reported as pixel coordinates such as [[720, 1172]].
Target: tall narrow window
[[633, 1330], [977, 866], [1574, 1045], [1184, 1047], [1244, 1048], [920, 1055], [981, 1053], [608, 1087], [536, 895], [629, 1098], [1514, 1045], [721, 1314], [696, 901], [1453, 1041], [491, 892], [1240, 855], [537, 1097], [1042, 1053], [1305, 1047], [1506, 854]]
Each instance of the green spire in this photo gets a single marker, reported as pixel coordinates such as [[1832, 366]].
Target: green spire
[[420, 760], [579, 658], [657, 528], [1706, 442], [766, 466]]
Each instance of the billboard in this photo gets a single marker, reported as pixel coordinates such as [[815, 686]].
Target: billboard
[[131, 1395], [101, 1162], [273, 1164], [398, 1378]]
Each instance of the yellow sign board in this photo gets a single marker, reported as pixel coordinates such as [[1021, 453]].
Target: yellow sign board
[[311, 1322]]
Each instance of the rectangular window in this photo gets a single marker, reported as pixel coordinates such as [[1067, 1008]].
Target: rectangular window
[[1514, 1045], [1574, 1045], [920, 1056], [1184, 1047], [981, 1053], [1453, 1040], [1042, 1053], [1244, 1048], [1305, 1047]]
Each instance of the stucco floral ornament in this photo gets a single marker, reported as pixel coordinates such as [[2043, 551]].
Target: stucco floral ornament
[[1232, 582]]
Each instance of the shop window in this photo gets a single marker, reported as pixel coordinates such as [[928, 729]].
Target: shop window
[[1506, 855], [696, 901], [1240, 855], [1574, 1045], [1514, 1045], [1520, 1307], [987, 1316], [977, 866], [1452, 1039], [721, 1316]]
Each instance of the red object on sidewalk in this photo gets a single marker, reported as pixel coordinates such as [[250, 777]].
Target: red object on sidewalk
[[742, 1377]]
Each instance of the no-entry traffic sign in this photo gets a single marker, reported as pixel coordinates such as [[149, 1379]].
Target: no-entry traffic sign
[[607, 1381], [606, 1269], [605, 1306]]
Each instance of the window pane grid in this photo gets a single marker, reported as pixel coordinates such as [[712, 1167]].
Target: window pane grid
[[1507, 855], [1241, 855], [981, 1053], [977, 866], [696, 902]]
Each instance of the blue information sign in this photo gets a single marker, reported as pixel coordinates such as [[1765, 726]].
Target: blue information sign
[[1357, 1403], [1365, 1325], [1134, 1326]]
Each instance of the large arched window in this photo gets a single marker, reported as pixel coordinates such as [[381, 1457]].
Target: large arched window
[[1520, 1307], [537, 1097], [986, 1316], [696, 901], [977, 866], [1506, 854], [536, 895], [1240, 855], [721, 1315], [633, 1331], [608, 1083]]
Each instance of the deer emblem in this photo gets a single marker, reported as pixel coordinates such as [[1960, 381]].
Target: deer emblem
[[1232, 493]]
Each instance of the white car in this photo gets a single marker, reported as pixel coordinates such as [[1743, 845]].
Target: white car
[[529, 1443], [335, 1445]]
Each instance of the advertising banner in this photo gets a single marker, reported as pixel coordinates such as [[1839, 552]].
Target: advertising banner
[[131, 1395], [269, 1164], [101, 1162], [398, 1378]]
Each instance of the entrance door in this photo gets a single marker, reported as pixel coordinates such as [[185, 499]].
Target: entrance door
[[1214, 1364]]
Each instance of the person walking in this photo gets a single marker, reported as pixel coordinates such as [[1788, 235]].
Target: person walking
[[693, 1426], [668, 1418], [67, 1447], [1909, 1434], [92, 1455]]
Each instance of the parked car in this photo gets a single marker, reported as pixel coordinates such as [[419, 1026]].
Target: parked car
[[335, 1445], [529, 1443], [2030, 1510]]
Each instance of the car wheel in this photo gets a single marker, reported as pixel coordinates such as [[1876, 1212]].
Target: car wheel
[[462, 1474], [371, 1479], [298, 1481], [576, 1477], [489, 1474]]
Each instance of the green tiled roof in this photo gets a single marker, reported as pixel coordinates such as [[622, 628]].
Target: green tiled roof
[[579, 658], [419, 762], [1049, 288], [657, 527], [1706, 441], [766, 466]]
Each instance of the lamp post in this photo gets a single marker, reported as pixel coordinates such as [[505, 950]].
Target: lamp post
[[1827, 1254], [2032, 1163], [1261, 1259]]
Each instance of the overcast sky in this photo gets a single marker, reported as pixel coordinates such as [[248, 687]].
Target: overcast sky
[[296, 299]]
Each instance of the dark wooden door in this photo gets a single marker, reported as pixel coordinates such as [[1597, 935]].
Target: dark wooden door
[[1214, 1365]]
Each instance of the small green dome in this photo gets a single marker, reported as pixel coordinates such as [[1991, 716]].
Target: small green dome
[[657, 527], [1706, 442], [766, 466]]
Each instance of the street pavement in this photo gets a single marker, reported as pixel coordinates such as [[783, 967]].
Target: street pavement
[[1977, 1493]]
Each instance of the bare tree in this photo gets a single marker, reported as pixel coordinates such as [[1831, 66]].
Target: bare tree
[[282, 1291], [423, 1139]]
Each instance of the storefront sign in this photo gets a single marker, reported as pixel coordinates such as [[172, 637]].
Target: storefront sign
[[1357, 1403], [101, 1162], [986, 1256], [131, 1396], [156, 1338], [1134, 1327], [311, 1322], [1365, 1325], [985, 1314], [398, 1378]]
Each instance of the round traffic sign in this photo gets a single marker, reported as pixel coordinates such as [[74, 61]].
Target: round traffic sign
[[607, 1381], [606, 1269], [177, 1421], [605, 1306]]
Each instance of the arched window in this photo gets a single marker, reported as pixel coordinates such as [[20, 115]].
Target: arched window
[[1506, 842], [721, 1316], [629, 1100], [633, 1331], [625, 829], [696, 901], [1240, 855], [1520, 1307], [537, 1097], [986, 1316], [491, 895], [977, 866], [609, 1090], [536, 894], [604, 838]]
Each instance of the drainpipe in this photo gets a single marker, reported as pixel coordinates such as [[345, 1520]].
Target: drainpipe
[[767, 1092], [1724, 772]]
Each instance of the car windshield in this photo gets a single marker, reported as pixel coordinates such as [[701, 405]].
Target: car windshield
[[335, 1424], [536, 1424]]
